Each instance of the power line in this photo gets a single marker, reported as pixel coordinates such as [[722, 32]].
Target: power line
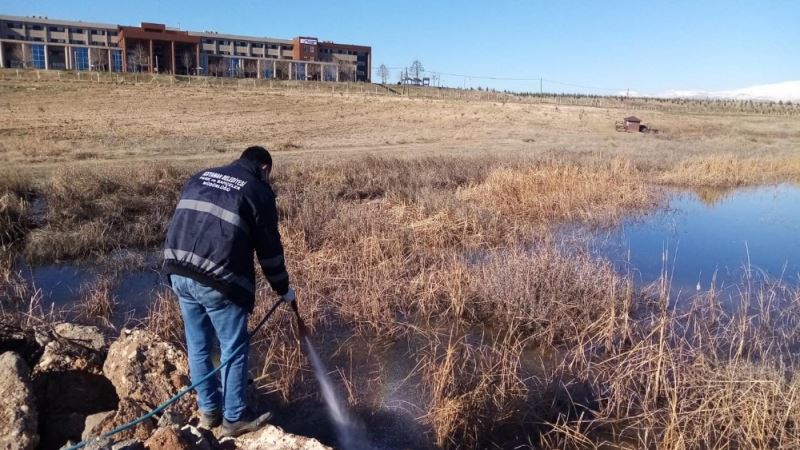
[[583, 86], [496, 78]]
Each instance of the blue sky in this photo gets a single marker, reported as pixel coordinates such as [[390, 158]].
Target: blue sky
[[648, 47]]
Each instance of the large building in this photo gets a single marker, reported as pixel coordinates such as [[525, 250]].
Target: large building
[[43, 43]]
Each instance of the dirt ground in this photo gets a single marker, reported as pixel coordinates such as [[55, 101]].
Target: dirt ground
[[48, 123]]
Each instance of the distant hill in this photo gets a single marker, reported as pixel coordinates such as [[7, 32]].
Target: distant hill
[[784, 91]]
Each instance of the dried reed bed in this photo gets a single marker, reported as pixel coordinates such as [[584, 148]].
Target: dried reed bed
[[15, 192], [97, 302], [94, 212], [701, 378], [404, 264], [473, 384], [13, 290], [456, 256], [731, 171], [554, 193], [164, 317]]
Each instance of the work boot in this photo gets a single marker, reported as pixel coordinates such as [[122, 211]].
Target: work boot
[[209, 420], [244, 425]]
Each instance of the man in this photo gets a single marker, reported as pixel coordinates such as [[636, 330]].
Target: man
[[223, 215]]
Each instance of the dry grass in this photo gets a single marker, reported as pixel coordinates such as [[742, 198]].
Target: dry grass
[[97, 302], [14, 208], [732, 171], [472, 387], [45, 124], [94, 212], [553, 193], [164, 318]]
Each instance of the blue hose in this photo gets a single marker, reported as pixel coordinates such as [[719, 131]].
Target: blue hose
[[183, 392]]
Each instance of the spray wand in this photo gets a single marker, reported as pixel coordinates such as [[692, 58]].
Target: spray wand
[[302, 331]]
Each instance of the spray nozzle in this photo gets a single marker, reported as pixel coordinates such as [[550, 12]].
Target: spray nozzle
[[301, 326]]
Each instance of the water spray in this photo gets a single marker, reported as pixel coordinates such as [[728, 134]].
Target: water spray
[[347, 429]]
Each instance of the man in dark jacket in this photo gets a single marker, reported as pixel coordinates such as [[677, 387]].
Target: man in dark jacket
[[224, 214]]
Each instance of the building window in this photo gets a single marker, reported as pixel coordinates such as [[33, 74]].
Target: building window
[[37, 56], [116, 60], [299, 71], [233, 67], [37, 27], [78, 30], [81, 57], [203, 64]]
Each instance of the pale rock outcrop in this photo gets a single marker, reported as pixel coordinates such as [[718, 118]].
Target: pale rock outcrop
[[68, 381], [127, 411], [168, 438], [147, 370], [92, 424], [18, 417], [73, 347], [275, 438]]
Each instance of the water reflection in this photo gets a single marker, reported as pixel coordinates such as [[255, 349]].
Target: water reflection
[[711, 234], [62, 285]]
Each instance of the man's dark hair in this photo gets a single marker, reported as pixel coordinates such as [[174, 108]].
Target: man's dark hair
[[258, 155]]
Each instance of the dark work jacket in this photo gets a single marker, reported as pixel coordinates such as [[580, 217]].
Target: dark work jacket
[[223, 215]]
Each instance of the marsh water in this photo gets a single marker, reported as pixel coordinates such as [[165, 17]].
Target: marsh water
[[709, 236], [61, 285]]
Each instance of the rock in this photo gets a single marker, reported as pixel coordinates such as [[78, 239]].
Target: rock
[[145, 369], [109, 444], [169, 418], [168, 438], [73, 347], [18, 417], [65, 399], [127, 411], [130, 444], [92, 423], [22, 342], [200, 438], [96, 444], [68, 381], [88, 336], [275, 438]]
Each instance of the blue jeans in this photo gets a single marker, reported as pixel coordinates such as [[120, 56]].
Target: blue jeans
[[206, 314]]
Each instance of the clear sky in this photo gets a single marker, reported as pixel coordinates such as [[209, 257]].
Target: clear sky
[[645, 46]]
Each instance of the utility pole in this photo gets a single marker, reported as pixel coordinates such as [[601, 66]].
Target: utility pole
[[540, 86]]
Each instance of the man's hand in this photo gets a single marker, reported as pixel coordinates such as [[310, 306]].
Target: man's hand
[[289, 296]]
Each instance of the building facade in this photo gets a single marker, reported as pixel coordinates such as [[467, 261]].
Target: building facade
[[43, 43]]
